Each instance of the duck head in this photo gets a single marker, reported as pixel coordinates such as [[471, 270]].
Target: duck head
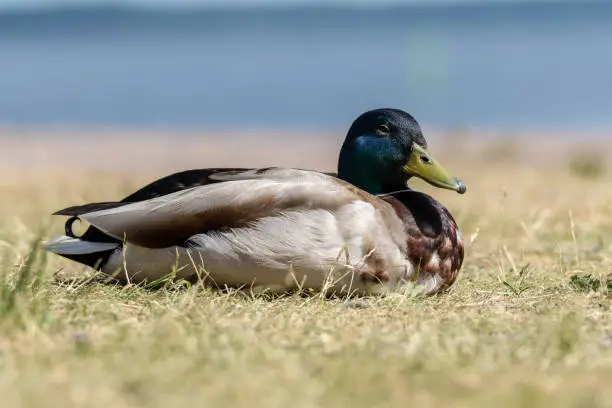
[[384, 148]]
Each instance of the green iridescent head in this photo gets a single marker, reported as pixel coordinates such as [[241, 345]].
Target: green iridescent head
[[384, 148]]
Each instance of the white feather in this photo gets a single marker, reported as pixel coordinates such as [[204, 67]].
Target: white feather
[[299, 248]]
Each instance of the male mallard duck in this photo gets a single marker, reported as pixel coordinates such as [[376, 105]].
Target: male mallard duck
[[286, 228]]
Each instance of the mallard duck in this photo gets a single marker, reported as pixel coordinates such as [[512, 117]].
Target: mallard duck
[[362, 230]]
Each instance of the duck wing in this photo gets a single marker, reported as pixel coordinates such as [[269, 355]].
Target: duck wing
[[191, 178], [177, 182], [166, 185], [235, 199]]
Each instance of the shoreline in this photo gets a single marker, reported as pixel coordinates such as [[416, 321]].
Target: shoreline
[[116, 150]]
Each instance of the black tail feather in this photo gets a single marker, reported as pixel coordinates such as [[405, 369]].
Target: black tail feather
[[68, 226]]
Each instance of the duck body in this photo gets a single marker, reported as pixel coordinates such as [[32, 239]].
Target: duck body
[[287, 228], [272, 228]]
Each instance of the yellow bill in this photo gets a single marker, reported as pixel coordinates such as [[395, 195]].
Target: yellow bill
[[421, 164]]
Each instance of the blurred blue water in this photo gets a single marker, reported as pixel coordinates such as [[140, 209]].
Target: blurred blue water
[[517, 66]]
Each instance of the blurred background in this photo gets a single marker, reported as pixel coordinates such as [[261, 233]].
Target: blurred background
[[305, 65], [151, 86]]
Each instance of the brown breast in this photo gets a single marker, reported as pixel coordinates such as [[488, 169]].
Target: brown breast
[[434, 244]]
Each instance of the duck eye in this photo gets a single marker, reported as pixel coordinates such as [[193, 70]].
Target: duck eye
[[383, 129]]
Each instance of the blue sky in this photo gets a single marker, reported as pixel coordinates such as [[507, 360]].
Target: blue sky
[[21, 4]]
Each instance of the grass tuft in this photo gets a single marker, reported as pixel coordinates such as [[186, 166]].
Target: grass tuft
[[23, 296], [588, 165], [587, 283]]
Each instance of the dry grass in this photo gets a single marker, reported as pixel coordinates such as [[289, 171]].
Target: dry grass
[[512, 332]]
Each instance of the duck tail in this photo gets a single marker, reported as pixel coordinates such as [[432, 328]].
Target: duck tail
[[93, 254], [68, 226], [66, 245]]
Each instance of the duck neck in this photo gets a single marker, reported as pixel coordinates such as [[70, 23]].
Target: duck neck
[[392, 188], [356, 168]]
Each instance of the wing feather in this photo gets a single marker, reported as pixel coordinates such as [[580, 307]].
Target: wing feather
[[173, 218]]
